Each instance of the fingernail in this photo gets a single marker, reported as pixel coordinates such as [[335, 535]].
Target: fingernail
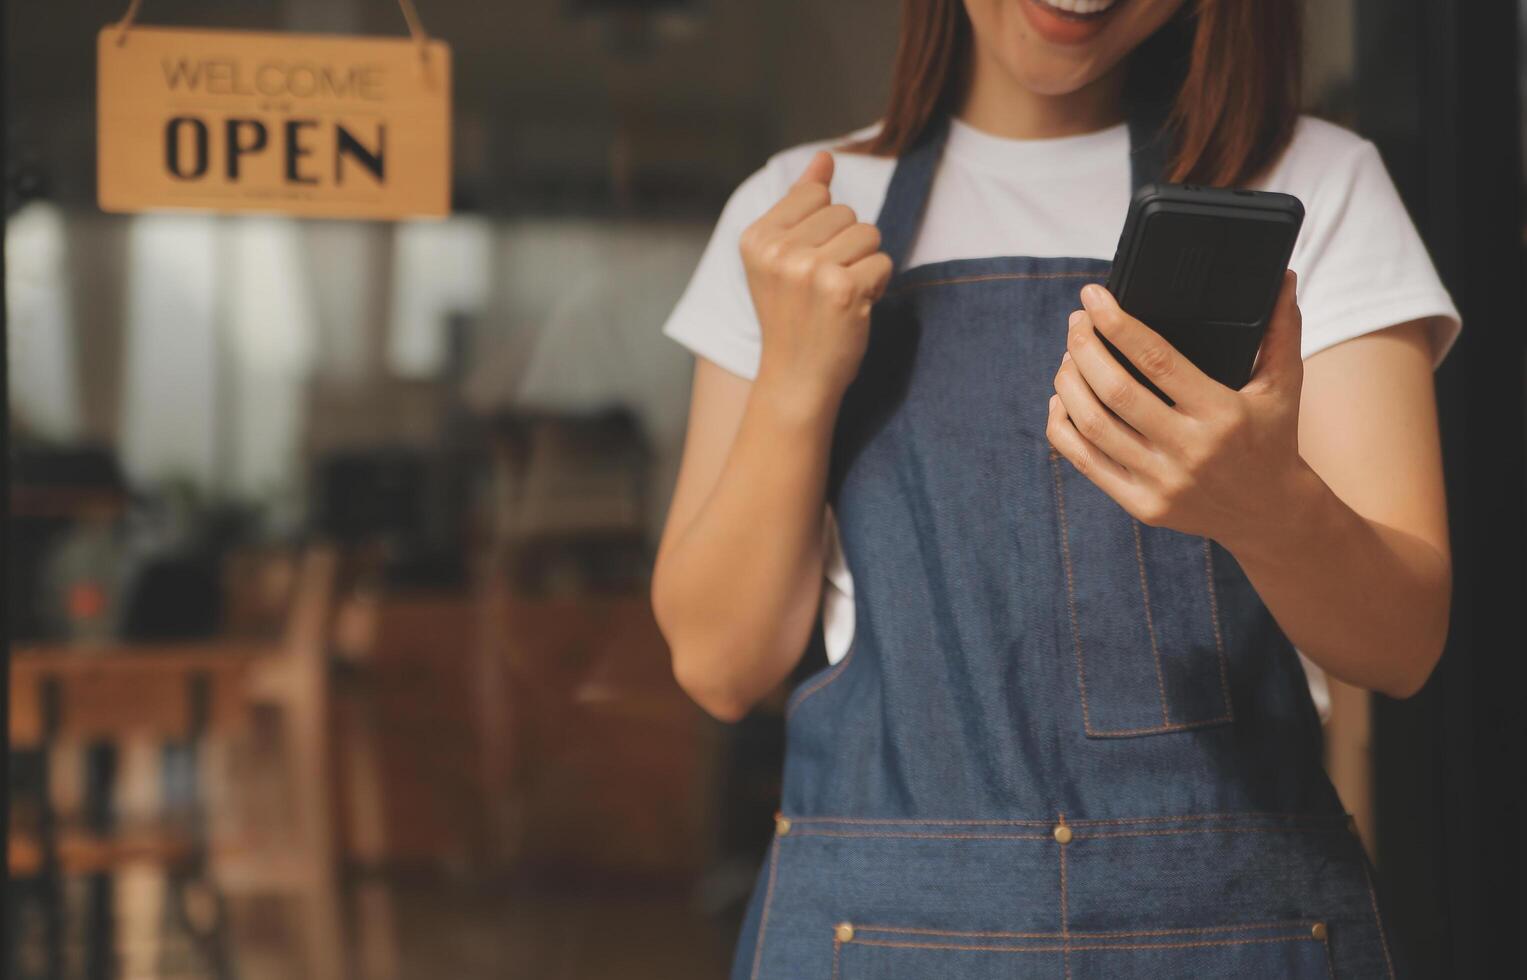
[[1065, 357], [1093, 293], [1076, 316]]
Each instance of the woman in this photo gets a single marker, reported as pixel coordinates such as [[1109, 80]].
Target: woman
[[1065, 731]]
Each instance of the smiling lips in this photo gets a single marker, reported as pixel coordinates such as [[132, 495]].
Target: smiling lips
[[1068, 21]]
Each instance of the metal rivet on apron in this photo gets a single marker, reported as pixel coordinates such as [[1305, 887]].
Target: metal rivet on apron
[[1318, 930], [844, 932], [781, 825], [1062, 833]]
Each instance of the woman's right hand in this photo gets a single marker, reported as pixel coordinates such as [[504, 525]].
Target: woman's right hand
[[814, 270]]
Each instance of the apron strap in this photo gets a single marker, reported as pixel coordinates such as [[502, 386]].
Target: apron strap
[[1149, 142], [911, 182], [902, 211]]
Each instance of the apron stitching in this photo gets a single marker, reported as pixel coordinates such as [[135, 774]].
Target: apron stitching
[[1098, 947], [1065, 550], [1217, 830], [1330, 963], [1103, 934], [818, 685], [1150, 626], [763, 922], [909, 835], [1065, 935], [1219, 642], [1180, 726], [988, 277], [1229, 815], [837, 947], [1373, 900], [1098, 822], [858, 834]]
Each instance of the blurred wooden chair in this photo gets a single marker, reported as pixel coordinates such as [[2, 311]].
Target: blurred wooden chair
[[107, 700], [292, 850]]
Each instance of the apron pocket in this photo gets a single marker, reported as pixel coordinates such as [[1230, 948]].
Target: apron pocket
[[890, 954], [1295, 949], [1144, 614]]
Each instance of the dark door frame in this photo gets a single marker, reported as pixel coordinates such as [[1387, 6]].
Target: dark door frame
[[1436, 89], [5, 518]]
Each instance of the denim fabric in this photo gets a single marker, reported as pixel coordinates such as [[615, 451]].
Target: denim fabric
[[1062, 743]]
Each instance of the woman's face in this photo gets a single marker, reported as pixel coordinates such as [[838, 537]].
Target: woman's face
[[1055, 47]]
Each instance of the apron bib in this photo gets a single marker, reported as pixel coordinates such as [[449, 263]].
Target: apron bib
[[1062, 743]]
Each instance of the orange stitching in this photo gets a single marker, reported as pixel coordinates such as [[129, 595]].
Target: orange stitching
[[1330, 963], [909, 834], [960, 948], [1283, 924], [988, 277], [1065, 937], [1104, 934], [1150, 625], [1210, 830], [864, 835], [1219, 642], [1096, 947], [1228, 815], [1180, 726], [1373, 900], [837, 947], [809, 690], [1065, 551], [912, 931], [763, 921]]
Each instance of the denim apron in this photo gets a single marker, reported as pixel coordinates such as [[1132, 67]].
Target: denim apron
[[1062, 743]]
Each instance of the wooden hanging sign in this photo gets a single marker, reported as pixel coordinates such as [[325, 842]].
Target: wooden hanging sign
[[303, 124]]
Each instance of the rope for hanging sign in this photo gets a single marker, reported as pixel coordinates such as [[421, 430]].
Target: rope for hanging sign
[[126, 23], [410, 17], [416, 28]]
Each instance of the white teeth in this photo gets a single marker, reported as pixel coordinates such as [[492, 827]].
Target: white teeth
[[1080, 6]]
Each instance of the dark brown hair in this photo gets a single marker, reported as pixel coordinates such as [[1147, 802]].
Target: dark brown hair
[[1228, 70]]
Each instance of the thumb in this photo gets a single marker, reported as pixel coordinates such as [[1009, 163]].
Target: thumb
[[1279, 360], [818, 170]]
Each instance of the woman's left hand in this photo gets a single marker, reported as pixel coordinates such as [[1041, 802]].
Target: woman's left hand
[[1218, 462]]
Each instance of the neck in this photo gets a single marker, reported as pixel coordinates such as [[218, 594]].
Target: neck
[[997, 103]]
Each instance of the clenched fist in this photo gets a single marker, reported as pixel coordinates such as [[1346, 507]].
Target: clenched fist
[[814, 270]]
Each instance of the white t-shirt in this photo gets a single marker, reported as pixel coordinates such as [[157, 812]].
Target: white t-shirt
[[1361, 264]]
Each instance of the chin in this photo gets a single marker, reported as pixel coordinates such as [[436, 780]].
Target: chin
[[1053, 76], [1055, 47]]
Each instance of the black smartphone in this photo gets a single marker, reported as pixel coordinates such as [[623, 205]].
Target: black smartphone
[[1202, 266]]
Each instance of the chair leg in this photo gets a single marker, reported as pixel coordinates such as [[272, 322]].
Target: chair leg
[[100, 923]]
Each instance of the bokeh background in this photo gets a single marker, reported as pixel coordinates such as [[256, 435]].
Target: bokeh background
[[329, 541]]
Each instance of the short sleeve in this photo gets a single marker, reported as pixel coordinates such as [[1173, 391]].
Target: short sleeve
[[714, 317], [1362, 265]]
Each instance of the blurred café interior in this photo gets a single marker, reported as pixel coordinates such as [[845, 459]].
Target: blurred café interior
[[329, 540]]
